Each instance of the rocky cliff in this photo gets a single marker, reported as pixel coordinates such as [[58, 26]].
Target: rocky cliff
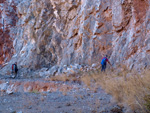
[[47, 33]]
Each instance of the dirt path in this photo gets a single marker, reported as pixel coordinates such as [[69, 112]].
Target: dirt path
[[39, 96]]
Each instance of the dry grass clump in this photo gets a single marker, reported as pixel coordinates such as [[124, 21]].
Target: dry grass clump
[[65, 78], [127, 87], [59, 78]]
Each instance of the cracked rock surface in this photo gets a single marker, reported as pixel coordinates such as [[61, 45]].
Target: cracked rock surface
[[46, 33]]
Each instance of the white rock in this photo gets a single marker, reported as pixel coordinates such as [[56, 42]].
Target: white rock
[[3, 86], [44, 69], [10, 89], [53, 70], [9, 92], [94, 65]]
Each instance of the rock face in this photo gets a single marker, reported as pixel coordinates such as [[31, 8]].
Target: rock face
[[8, 19], [45, 33]]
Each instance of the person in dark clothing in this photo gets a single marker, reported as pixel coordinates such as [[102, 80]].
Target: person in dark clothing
[[14, 69], [104, 63]]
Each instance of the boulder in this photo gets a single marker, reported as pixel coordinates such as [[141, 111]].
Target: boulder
[[3, 86], [10, 89], [52, 71]]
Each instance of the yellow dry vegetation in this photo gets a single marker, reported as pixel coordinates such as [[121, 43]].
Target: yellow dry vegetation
[[127, 87]]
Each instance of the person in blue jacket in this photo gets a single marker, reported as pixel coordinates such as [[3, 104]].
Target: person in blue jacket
[[104, 63]]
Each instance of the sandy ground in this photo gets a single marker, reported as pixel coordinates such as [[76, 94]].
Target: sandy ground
[[79, 99]]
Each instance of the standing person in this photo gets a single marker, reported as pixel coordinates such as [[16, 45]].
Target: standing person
[[104, 63], [14, 69]]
